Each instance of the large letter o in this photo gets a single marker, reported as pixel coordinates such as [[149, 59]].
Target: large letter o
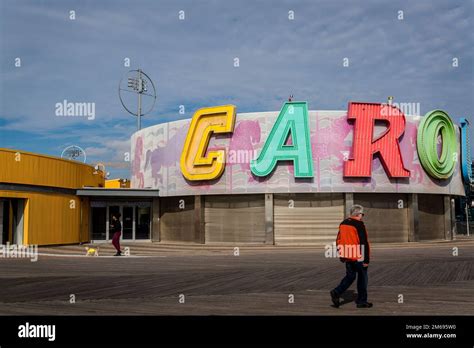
[[432, 124]]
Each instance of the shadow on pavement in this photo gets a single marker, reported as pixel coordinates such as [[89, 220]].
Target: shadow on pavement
[[347, 297]]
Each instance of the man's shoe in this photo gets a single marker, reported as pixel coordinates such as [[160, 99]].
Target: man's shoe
[[118, 253], [365, 305], [334, 298]]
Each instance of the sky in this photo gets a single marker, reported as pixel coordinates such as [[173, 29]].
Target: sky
[[324, 52]]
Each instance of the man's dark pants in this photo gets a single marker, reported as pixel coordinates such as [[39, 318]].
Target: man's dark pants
[[353, 270]]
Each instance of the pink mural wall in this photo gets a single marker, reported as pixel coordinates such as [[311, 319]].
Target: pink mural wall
[[156, 153]]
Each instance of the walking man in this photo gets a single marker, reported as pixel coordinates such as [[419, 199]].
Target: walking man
[[354, 250], [116, 229]]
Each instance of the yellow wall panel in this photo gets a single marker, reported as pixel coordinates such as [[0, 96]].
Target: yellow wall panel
[[53, 218], [21, 167]]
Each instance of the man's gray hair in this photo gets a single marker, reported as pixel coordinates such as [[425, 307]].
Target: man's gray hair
[[357, 209]]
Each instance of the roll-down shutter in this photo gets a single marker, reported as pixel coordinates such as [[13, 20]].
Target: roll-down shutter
[[386, 216], [236, 218], [307, 218]]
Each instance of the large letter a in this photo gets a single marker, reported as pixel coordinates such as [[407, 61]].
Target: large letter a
[[292, 120]]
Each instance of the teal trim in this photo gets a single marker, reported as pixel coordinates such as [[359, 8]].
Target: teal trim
[[466, 160]]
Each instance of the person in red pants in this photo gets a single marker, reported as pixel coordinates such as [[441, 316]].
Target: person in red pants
[[116, 229]]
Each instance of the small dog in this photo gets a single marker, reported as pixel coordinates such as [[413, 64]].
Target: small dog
[[92, 251]]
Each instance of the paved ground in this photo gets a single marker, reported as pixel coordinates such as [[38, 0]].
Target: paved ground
[[214, 281]]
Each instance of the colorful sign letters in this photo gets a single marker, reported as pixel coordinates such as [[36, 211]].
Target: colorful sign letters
[[291, 124], [288, 143], [436, 123], [466, 159], [364, 146], [195, 163]]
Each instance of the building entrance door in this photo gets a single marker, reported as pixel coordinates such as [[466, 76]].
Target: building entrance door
[[135, 219], [12, 221], [4, 213], [99, 222], [128, 224]]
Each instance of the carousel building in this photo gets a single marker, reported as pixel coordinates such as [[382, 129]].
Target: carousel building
[[263, 178], [290, 177]]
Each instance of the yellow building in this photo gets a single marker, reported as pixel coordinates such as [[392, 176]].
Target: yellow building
[[117, 183], [38, 201]]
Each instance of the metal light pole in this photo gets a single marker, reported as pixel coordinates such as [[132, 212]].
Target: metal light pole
[[138, 85], [139, 112]]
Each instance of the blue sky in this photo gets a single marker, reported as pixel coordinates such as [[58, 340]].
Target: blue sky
[[191, 62]]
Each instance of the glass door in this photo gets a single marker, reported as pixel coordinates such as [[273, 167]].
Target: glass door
[[128, 223], [113, 210], [15, 221], [135, 220], [4, 213], [99, 223], [143, 222]]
